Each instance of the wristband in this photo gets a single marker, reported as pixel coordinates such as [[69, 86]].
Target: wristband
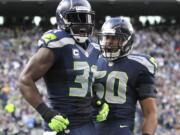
[[46, 112]]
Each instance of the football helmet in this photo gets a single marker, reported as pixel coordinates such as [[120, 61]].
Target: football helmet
[[116, 38], [77, 18]]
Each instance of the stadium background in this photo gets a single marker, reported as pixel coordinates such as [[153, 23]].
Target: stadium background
[[157, 26]]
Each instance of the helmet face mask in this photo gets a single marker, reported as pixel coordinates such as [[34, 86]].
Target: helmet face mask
[[77, 18], [116, 38]]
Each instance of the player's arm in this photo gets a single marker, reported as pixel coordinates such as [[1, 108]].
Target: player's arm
[[37, 66], [149, 110], [34, 70], [147, 94]]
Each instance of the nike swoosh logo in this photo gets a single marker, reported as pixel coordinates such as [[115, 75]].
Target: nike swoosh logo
[[123, 126]]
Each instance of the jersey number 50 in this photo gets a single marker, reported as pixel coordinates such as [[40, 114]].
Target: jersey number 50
[[114, 90]]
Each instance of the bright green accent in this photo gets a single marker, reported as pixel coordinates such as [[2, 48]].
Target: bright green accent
[[103, 113], [98, 102], [153, 60], [58, 123], [48, 37], [10, 108]]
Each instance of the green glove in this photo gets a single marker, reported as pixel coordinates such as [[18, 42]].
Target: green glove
[[103, 113], [58, 123]]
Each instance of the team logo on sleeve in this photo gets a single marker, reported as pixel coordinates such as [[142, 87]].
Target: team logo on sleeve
[[76, 53], [49, 37]]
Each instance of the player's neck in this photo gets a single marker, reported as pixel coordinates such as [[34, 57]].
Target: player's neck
[[84, 45]]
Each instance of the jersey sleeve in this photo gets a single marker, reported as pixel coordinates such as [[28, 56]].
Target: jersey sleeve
[[146, 79], [146, 86], [55, 40], [47, 40]]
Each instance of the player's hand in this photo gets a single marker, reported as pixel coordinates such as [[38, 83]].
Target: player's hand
[[103, 113], [58, 123]]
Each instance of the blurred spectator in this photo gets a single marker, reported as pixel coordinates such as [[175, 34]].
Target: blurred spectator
[[19, 44]]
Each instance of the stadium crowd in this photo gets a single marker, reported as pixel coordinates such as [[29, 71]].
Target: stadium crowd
[[17, 45]]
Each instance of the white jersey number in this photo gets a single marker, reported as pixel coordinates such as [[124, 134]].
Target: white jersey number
[[115, 88], [85, 80]]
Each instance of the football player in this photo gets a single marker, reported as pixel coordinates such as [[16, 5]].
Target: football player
[[125, 79], [66, 59]]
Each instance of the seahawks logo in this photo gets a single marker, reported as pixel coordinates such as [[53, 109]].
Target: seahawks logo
[[49, 37]]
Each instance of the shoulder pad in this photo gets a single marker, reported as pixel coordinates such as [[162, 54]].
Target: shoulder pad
[[147, 61], [48, 37], [96, 46], [55, 39]]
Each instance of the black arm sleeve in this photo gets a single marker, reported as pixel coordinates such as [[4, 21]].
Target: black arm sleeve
[[146, 86]]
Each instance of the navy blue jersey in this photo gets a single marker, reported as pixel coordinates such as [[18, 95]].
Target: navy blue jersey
[[69, 80], [123, 82]]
